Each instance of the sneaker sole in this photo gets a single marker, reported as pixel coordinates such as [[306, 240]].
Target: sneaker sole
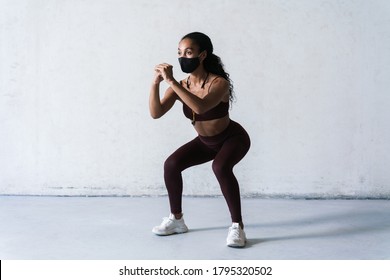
[[170, 233], [235, 245]]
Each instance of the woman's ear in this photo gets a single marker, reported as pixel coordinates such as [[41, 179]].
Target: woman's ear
[[203, 55]]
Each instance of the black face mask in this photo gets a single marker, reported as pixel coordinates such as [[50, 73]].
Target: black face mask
[[188, 65]]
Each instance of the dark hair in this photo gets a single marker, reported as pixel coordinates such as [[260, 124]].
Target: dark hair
[[212, 62]]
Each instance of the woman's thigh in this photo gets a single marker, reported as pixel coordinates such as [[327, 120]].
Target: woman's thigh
[[190, 154]]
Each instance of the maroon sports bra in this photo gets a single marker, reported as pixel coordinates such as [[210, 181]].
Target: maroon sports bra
[[219, 111]]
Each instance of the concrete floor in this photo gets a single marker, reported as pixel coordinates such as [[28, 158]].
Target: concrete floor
[[119, 228]]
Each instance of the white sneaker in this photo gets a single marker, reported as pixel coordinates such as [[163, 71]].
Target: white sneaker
[[236, 236], [170, 225]]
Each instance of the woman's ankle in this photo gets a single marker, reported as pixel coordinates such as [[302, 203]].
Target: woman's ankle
[[178, 216]]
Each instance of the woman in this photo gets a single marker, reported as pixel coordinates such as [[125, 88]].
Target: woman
[[205, 95]]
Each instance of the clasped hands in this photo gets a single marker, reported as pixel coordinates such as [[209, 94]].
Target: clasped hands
[[165, 72]]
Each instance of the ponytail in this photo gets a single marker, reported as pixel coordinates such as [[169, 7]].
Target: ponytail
[[213, 64]]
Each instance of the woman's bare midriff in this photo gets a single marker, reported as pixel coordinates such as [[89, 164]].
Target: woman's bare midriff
[[212, 127]]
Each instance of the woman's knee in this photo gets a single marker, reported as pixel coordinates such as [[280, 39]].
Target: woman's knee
[[221, 169], [171, 164]]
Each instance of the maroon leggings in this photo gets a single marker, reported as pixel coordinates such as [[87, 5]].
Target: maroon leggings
[[226, 149]]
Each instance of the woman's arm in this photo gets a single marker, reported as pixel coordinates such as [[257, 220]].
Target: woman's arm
[[215, 95], [158, 107]]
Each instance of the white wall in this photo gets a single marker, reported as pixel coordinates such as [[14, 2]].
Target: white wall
[[312, 82]]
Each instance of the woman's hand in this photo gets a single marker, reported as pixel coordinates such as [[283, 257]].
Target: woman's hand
[[157, 79], [165, 71]]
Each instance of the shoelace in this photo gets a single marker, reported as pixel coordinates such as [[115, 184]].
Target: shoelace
[[166, 221], [235, 233]]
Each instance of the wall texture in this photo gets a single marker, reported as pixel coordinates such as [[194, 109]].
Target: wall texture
[[311, 78]]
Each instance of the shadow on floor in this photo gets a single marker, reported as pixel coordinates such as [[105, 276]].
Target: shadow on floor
[[339, 225], [347, 224]]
